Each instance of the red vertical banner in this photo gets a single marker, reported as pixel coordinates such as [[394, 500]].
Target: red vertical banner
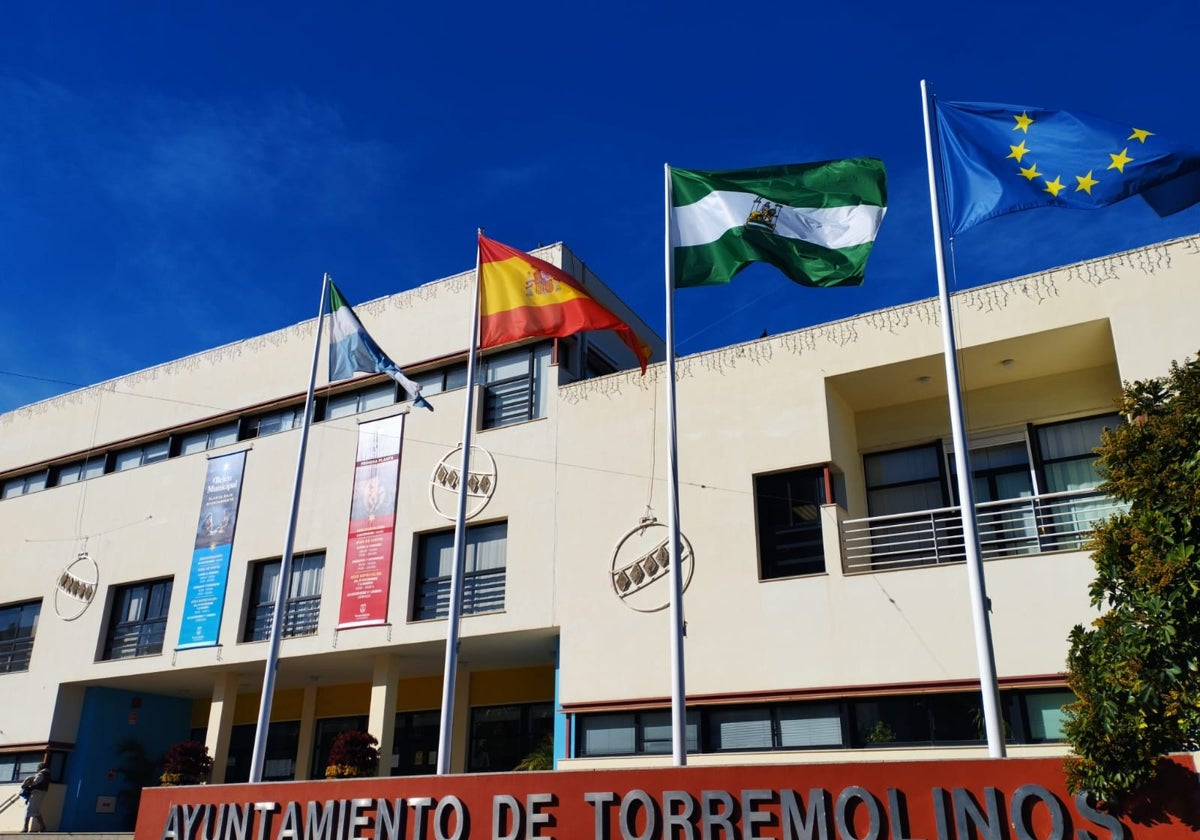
[[367, 573]]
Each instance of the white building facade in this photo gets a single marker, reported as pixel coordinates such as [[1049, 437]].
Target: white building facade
[[826, 605]]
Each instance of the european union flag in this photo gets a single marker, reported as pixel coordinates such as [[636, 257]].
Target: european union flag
[[999, 159]]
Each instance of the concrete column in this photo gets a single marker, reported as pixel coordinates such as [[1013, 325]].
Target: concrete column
[[308, 732], [220, 722], [381, 722], [462, 721], [831, 538]]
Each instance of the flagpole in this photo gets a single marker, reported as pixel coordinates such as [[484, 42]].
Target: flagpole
[[988, 686], [450, 676], [285, 565], [675, 573]]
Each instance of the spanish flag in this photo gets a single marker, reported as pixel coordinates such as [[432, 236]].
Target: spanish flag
[[521, 296]]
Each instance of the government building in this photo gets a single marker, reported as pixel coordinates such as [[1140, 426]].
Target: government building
[[828, 618]]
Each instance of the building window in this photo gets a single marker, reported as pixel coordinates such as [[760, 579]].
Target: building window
[[483, 571], [18, 624], [633, 733], [78, 470], [442, 379], [349, 403], [788, 506], [598, 364], [929, 718], [141, 455], [19, 766], [415, 743], [1044, 715], [205, 439], [1068, 452], [510, 388], [905, 480], [138, 622], [279, 757], [283, 420], [503, 735], [999, 471], [23, 484], [327, 731], [766, 727], [917, 719], [301, 610]]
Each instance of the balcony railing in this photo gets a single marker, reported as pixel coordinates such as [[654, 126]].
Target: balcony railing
[[482, 592], [1033, 525]]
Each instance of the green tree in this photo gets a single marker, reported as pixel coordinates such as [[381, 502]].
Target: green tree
[[1136, 670]]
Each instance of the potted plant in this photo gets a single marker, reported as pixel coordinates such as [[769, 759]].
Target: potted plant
[[540, 758], [186, 763], [353, 755]]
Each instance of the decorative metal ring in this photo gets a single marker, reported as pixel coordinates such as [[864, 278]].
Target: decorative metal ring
[[641, 560], [445, 481], [76, 587]]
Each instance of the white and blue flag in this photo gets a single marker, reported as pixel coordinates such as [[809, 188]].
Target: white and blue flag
[[351, 349]]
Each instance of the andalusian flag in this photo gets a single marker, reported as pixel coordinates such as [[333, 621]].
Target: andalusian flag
[[521, 296], [351, 349], [815, 222]]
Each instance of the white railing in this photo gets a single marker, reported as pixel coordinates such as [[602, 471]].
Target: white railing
[[1033, 525]]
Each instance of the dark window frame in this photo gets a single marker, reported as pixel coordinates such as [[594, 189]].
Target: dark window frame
[[936, 447], [301, 613], [407, 744], [81, 469], [790, 541], [957, 710], [483, 590], [127, 638], [21, 764], [774, 717], [1041, 462], [324, 732], [283, 743], [31, 482], [642, 720], [480, 754], [513, 399], [276, 421], [16, 650]]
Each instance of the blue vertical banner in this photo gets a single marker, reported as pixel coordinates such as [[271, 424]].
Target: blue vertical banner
[[205, 602]]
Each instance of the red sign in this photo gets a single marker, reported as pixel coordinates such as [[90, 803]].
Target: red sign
[[985, 799], [367, 573]]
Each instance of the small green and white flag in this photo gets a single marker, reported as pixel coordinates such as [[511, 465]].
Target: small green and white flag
[[815, 222]]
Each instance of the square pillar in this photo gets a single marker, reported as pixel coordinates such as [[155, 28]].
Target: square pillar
[[220, 722], [308, 730], [381, 720]]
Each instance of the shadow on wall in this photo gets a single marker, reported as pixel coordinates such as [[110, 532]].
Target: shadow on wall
[[1168, 796]]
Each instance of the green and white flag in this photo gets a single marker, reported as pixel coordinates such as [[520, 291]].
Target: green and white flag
[[815, 222]]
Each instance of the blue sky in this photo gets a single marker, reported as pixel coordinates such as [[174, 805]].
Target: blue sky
[[177, 176]]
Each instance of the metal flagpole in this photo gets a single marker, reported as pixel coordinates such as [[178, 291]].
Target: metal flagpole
[[675, 573], [988, 686], [450, 677], [285, 565]]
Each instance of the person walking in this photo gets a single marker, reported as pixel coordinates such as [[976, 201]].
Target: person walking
[[37, 785]]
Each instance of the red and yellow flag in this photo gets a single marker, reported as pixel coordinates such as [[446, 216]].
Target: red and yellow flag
[[521, 296]]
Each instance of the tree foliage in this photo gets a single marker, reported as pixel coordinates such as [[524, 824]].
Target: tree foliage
[[353, 754], [186, 763], [540, 758], [1136, 670]]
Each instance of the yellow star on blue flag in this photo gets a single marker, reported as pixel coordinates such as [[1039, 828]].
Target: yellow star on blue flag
[[999, 159]]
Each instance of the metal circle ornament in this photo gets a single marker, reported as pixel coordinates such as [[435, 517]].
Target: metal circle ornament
[[641, 564], [76, 587], [446, 480]]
